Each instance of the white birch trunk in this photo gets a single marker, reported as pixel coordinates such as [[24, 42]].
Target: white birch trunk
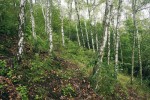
[[93, 46], [49, 27], [105, 34], [108, 38], [44, 15], [79, 23], [108, 53], [78, 35], [117, 37], [82, 36], [70, 16], [100, 60], [21, 29], [87, 36], [90, 19], [62, 31], [50, 35], [114, 34], [134, 36], [121, 52], [139, 54], [32, 19], [103, 45], [96, 37], [97, 42], [106, 28], [62, 22]]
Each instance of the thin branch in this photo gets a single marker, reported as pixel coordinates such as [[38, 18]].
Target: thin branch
[[143, 8]]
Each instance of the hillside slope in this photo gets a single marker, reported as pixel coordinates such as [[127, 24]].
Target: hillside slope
[[64, 75]]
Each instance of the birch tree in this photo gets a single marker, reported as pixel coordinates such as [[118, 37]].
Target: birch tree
[[69, 3], [113, 30], [44, 12], [139, 54], [62, 22], [121, 52], [96, 37], [77, 23], [104, 38], [87, 36], [21, 29], [49, 23], [78, 38], [108, 38], [97, 68], [136, 8], [134, 35], [117, 37], [108, 48], [105, 28], [32, 19], [90, 19], [78, 19]]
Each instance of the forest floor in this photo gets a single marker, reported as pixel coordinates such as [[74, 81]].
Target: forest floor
[[141, 92], [68, 82], [71, 84]]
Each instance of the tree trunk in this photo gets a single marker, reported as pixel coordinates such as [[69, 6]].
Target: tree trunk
[[79, 23], [32, 19], [62, 22], [78, 35], [49, 27], [114, 34], [21, 29], [89, 13], [104, 39], [70, 15], [93, 46], [44, 15], [139, 54], [117, 38], [134, 36], [108, 38], [108, 52], [87, 36], [96, 37], [97, 42], [121, 52], [62, 31]]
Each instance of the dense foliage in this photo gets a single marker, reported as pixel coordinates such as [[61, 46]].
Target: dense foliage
[[67, 71]]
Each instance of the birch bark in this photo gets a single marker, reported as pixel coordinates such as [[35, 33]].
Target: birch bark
[[96, 36], [79, 23], [32, 19], [108, 38], [87, 36], [134, 36], [91, 32], [70, 15], [104, 38], [49, 27], [62, 22], [44, 12], [139, 54], [117, 37], [21, 29], [78, 35]]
